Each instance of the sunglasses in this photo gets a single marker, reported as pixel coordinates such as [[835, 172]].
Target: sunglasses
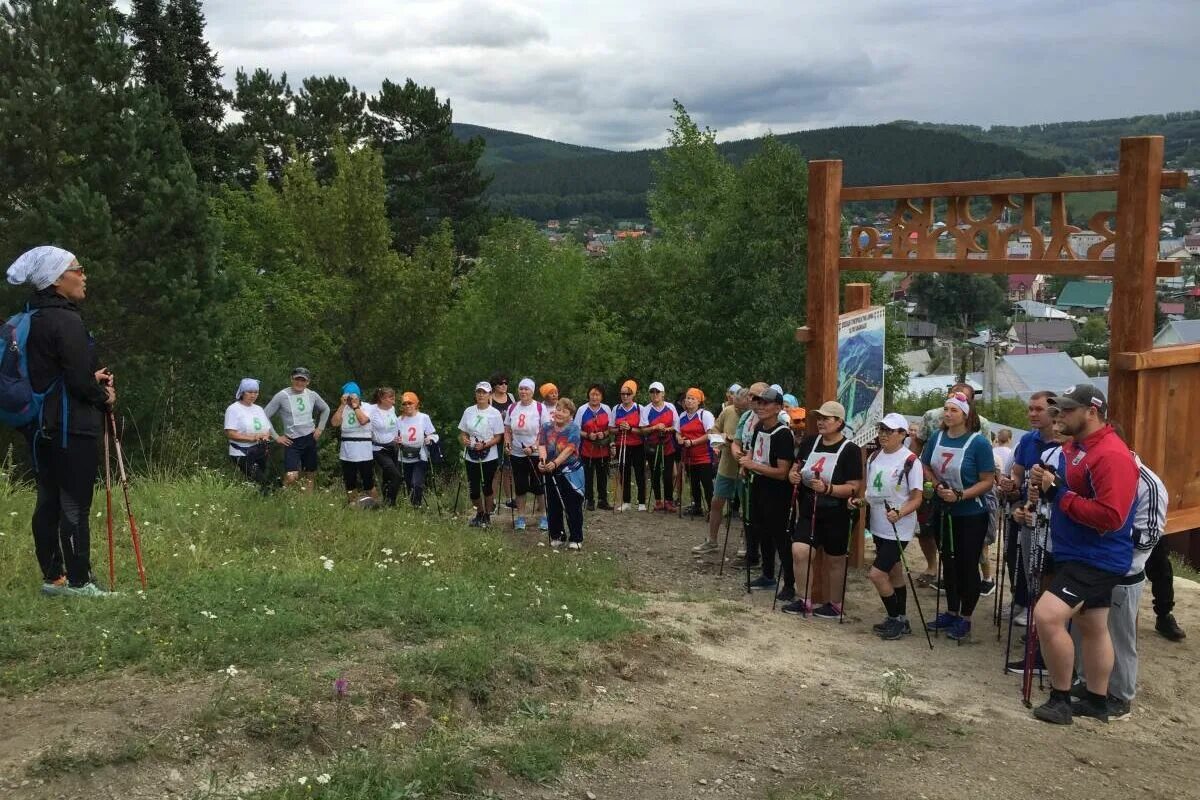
[[626, 394], [656, 391], [884, 430], [77, 268]]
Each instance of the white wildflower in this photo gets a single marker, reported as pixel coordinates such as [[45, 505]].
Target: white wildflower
[[399, 725], [231, 671], [323, 778], [328, 564], [304, 778]]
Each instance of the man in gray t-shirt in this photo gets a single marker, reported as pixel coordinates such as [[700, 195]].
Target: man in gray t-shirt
[[296, 406]]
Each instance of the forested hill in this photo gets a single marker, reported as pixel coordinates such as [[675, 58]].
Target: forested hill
[[508, 147], [1090, 145], [614, 185]]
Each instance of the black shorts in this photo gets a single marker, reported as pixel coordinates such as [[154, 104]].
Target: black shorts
[[830, 534], [887, 553], [526, 479], [928, 529], [1076, 582], [301, 455]]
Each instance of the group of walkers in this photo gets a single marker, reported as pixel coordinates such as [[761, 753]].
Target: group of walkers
[[1078, 516]]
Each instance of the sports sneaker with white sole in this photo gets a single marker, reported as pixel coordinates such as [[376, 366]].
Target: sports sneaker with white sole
[[706, 546], [575, 546], [623, 507], [87, 590], [641, 506]]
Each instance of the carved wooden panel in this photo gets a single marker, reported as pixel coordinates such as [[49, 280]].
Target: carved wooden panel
[[918, 233]]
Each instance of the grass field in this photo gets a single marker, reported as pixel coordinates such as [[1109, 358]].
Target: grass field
[[304, 614]]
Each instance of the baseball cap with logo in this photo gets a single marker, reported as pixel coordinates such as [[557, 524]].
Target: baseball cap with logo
[[895, 422], [1081, 396]]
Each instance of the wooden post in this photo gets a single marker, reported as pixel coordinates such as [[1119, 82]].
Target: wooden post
[[824, 248], [1139, 185]]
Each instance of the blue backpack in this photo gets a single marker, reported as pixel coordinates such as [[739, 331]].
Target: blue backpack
[[20, 405]]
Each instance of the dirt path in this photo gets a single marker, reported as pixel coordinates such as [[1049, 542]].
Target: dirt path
[[731, 699], [768, 700]]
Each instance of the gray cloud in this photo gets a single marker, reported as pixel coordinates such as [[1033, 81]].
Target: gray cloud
[[604, 73]]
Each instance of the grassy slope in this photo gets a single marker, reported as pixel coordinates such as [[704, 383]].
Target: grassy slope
[[238, 580]]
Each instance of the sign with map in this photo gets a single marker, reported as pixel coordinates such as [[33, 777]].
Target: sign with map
[[860, 371]]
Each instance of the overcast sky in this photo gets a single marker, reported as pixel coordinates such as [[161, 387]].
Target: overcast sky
[[604, 73]]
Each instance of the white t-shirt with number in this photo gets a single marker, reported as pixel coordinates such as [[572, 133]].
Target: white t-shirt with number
[[524, 421], [413, 432], [356, 444], [246, 419], [482, 424], [889, 483], [384, 425]]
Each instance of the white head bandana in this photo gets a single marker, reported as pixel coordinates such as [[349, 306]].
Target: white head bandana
[[247, 385], [40, 267], [961, 405]]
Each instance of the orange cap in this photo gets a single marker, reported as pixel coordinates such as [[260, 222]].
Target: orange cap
[[631, 385], [546, 388], [696, 393], [410, 397], [797, 416]]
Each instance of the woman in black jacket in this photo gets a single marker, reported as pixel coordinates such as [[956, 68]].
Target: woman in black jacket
[[62, 364]]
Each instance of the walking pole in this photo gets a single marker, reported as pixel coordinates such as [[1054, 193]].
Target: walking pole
[[953, 562], [1001, 566], [725, 547], [133, 531], [846, 572], [812, 541], [745, 527], [941, 570], [911, 583], [112, 572]]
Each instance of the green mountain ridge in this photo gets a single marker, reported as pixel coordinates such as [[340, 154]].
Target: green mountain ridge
[[542, 179], [510, 147]]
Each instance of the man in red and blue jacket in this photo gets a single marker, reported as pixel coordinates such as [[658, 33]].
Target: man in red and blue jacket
[[1094, 496]]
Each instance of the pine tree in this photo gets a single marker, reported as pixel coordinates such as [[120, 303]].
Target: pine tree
[[267, 130], [90, 160], [432, 174], [173, 56]]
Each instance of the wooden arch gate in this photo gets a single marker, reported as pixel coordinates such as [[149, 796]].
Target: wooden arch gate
[[1153, 393]]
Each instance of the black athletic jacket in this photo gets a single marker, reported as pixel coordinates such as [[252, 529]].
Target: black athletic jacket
[[59, 347]]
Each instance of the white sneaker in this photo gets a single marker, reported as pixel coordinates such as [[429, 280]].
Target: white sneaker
[[641, 506], [705, 547], [88, 590], [556, 543], [1019, 615], [575, 546], [623, 507], [741, 553]]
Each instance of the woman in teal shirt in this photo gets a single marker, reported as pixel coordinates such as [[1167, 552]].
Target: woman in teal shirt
[[958, 460]]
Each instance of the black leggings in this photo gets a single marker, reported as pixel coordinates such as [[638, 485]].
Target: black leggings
[[560, 493], [662, 472], [358, 475], [767, 530], [481, 471], [635, 468], [65, 477], [1161, 576], [390, 469], [254, 466], [701, 477], [526, 478], [595, 471], [961, 544]]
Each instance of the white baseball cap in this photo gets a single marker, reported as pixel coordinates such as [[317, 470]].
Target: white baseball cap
[[484, 385], [895, 421], [657, 387], [777, 387], [734, 388], [527, 383]]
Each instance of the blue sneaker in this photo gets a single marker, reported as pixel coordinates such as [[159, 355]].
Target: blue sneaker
[[519, 525], [944, 621], [960, 630], [544, 523]]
